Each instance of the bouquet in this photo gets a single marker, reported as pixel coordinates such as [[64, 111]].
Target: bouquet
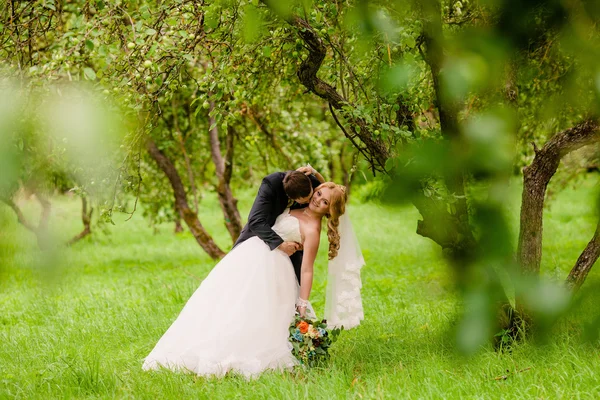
[[311, 340]]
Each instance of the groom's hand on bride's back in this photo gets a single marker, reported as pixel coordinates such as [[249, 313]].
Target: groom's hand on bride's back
[[290, 248]]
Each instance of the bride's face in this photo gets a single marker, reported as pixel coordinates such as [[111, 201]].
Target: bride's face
[[320, 201]]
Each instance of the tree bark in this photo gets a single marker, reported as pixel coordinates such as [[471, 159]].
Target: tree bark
[[189, 216], [330, 161], [440, 226], [585, 262], [223, 168], [347, 169], [20, 217], [452, 231], [86, 218], [536, 177], [178, 227], [188, 164], [40, 230]]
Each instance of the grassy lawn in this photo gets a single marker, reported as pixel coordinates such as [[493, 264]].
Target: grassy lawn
[[79, 326]]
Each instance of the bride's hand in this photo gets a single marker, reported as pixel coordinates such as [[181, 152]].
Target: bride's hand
[[307, 170], [301, 305]]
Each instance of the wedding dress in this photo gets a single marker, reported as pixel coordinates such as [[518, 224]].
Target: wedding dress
[[238, 319]]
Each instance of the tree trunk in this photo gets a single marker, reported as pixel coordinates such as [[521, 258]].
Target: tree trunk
[[535, 181], [188, 165], [86, 218], [463, 239], [20, 217], [46, 209], [330, 161], [347, 168], [189, 216], [178, 227], [536, 177], [223, 168], [443, 228], [452, 230], [40, 230], [585, 262]]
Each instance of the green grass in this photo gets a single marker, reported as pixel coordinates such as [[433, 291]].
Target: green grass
[[80, 327]]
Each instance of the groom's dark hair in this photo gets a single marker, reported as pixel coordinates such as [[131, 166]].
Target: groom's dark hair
[[296, 185]]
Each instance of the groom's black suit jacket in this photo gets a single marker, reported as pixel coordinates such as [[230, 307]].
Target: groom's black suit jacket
[[270, 202]]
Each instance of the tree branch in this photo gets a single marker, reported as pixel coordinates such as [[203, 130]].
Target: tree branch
[[229, 149], [189, 216], [307, 73], [585, 262], [86, 218], [20, 217], [536, 177]]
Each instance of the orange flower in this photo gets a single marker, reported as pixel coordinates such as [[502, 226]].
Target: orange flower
[[303, 326]]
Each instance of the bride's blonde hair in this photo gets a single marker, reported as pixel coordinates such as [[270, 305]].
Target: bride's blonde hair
[[337, 206]]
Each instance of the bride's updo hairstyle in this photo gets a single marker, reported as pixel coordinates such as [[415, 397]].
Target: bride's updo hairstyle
[[337, 206]]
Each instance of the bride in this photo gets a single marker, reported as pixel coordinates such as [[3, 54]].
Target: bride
[[238, 319]]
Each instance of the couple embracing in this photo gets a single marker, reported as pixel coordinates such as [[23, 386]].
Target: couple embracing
[[238, 319]]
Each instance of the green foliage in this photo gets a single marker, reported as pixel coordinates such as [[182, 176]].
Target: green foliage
[[50, 143], [451, 105], [163, 64], [85, 332]]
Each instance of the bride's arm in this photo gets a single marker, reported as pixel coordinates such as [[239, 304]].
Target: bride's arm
[[311, 246]]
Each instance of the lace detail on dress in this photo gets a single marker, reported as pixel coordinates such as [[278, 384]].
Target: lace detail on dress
[[343, 305], [347, 309]]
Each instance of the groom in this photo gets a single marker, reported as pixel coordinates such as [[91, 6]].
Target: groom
[[277, 192]]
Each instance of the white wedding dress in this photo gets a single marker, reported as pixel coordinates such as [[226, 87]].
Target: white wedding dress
[[238, 319]]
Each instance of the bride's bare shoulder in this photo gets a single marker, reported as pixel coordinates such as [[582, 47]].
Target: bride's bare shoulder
[[312, 230]]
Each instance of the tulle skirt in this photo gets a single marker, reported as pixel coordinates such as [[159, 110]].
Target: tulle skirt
[[237, 320]]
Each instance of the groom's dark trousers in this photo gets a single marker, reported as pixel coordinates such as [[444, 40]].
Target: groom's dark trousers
[[270, 202]]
